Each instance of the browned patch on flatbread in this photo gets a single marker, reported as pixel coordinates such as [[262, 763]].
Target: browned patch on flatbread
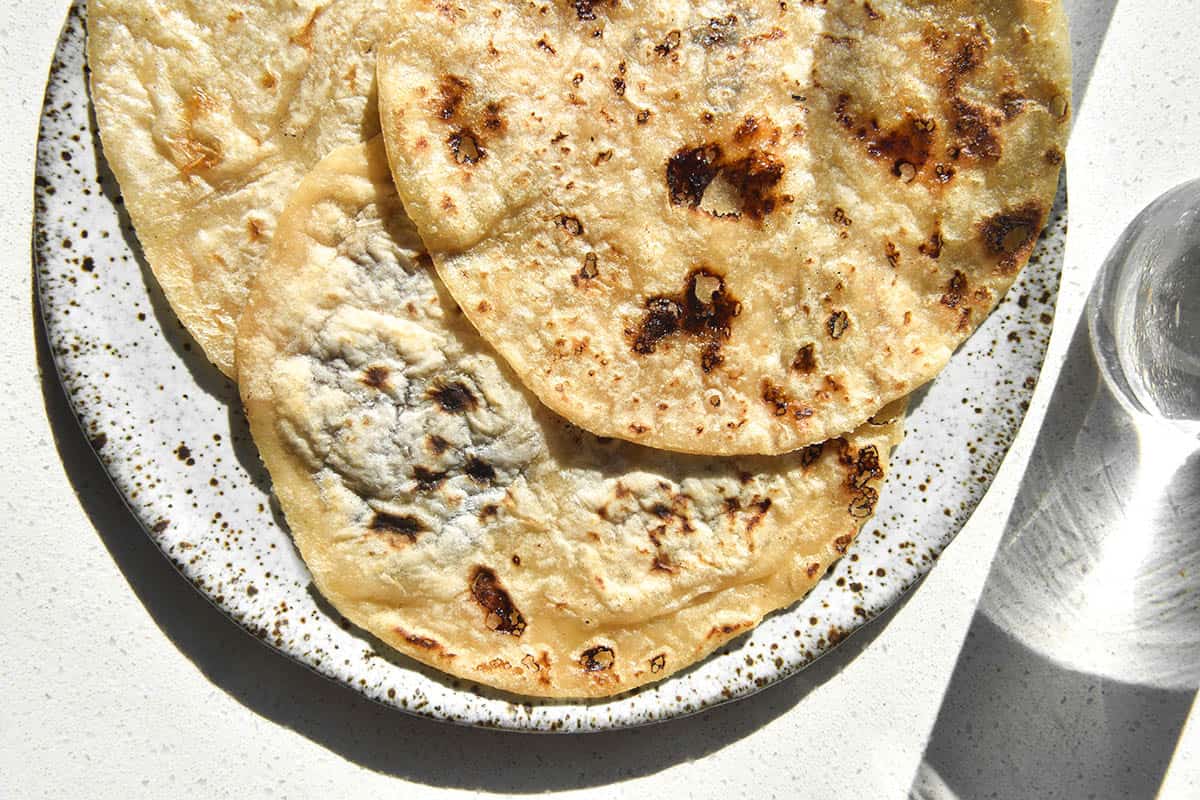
[[774, 395], [751, 176], [956, 290], [746, 130], [451, 91], [588, 271], [717, 32], [837, 324], [905, 148], [585, 10], [908, 143], [376, 377], [618, 83], [863, 504], [427, 479], [1012, 104], [255, 228], [892, 252], [597, 659], [669, 44], [974, 128], [192, 152], [424, 642], [662, 559], [470, 118], [933, 246], [479, 471], [675, 516], [304, 36], [464, 146], [502, 614], [759, 508], [704, 310], [454, 397], [943, 173], [809, 455], [754, 179], [866, 468], [492, 120], [690, 171], [1009, 236], [662, 563], [539, 666], [728, 629], [772, 35], [966, 58], [404, 525], [956, 55], [806, 359], [570, 224], [782, 403]]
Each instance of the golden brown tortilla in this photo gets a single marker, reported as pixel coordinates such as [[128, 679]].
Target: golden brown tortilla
[[210, 114], [727, 227], [439, 506]]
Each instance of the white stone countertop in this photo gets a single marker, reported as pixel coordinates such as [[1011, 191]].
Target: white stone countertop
[[120, 681]]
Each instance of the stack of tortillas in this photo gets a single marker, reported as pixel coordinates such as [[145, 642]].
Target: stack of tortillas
[[597, 354]]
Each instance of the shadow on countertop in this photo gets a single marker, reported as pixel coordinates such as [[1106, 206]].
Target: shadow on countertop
[[1080, 666]]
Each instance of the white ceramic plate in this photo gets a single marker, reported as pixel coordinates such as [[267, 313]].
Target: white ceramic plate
[[170, 431]]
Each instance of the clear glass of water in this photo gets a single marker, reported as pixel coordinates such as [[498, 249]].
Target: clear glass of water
[[1144, 313]]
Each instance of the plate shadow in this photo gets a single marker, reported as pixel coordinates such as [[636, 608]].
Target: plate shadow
[[374, 736]]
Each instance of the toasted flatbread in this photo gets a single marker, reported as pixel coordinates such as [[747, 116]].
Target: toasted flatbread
[[726, 227], [210, 113], [440, 507]]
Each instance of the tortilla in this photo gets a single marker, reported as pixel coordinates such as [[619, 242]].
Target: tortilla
[[443, 509], [726, 227], [210, 113]]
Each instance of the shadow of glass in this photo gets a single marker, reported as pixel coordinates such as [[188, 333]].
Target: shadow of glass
[[1014, 724], [1079, 669], [377, 737], [1088, 21], [1099, 568]]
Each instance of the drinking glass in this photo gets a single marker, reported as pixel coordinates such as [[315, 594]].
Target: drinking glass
[[1144, 316]]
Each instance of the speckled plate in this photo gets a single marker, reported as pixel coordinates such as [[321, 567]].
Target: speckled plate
[[170, 431]]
